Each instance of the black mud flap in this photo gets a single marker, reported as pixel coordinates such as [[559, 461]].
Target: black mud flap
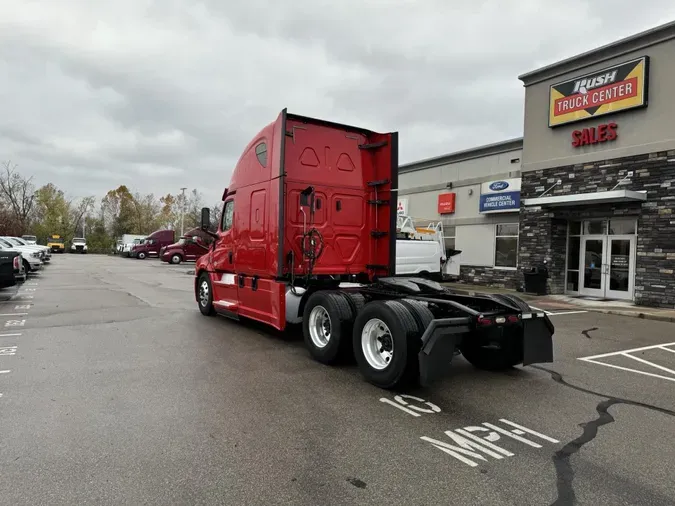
[[439, 342], [537, 339]]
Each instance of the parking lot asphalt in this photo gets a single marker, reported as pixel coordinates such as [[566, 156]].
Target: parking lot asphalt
[[116, 390]]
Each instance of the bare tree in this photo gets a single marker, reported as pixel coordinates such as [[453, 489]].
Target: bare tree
[[80, 211], [18, 193]]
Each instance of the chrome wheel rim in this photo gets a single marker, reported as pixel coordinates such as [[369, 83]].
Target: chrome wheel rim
[[175, 259], [319, 326], [377, 344], [204, 293]]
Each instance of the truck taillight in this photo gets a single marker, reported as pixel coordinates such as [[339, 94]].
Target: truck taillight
[[484, 321], [512, 318], [16, 262]]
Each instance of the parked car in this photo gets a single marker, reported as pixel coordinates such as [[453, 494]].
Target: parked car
[[187, 249], [29, 257], [152, 244], [11, 267], [79, 245], [30, 239], [22, 242]]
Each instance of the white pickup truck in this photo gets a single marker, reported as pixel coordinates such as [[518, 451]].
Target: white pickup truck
[[421, 250]]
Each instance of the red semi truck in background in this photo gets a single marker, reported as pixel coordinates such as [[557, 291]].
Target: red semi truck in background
[[151, 245], [189, 248], [308, 235]]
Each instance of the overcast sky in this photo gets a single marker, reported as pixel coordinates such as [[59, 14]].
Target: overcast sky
[[160, 94]]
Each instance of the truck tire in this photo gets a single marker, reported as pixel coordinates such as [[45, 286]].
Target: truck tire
[[513, 300], [141, 255], [386, 341], [176, 259], [327, 322], [26, 266], [493, 359], [356, 301], [205, 295], [420, 312]]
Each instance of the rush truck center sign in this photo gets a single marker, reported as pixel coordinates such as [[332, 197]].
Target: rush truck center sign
[[617, 88]]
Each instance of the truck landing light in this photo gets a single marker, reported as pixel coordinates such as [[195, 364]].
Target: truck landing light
[[500, 319]]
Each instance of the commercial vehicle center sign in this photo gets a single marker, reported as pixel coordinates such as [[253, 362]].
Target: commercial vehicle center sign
[[617, 88], [500, 196]]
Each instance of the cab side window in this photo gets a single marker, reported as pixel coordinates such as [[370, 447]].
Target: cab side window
[[261, 153], [228, 216]]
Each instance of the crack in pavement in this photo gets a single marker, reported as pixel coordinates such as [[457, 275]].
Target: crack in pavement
[[585, 332], [561, 458]]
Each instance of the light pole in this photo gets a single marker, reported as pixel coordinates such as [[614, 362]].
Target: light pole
[[182, 212]]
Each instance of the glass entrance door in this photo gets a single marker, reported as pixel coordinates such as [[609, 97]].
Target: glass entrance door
[[593, 251], [608, 267], [620, 267]]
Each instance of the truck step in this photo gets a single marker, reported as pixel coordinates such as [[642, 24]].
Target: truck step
[[378, 233], [379, 183], [379, 202]]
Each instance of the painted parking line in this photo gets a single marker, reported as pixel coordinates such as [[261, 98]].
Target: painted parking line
[[9, 335], [557, 313], [7, 371], [667, 347], [13, 314]]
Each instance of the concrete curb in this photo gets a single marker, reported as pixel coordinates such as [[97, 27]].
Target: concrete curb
[[636, 314], [615, 312]]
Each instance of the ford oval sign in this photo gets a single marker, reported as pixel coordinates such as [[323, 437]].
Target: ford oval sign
[[498, 186]]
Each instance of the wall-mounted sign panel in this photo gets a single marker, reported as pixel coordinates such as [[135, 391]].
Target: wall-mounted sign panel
[[613, 89], [446, 203], [500, 196]]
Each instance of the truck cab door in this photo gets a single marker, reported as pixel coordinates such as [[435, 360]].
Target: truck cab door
[[224, 280], [153, 247]]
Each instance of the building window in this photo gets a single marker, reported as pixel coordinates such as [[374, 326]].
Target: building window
[[506, 245], [573, 255], [261, 153], [449, 237]]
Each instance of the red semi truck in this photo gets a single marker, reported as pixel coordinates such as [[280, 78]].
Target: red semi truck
[[151, 245], [189, 248], [308, 235]]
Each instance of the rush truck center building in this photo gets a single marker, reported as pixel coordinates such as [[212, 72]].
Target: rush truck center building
[[595, 179]]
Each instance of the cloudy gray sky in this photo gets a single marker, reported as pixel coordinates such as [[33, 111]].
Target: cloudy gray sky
[[159, 94]]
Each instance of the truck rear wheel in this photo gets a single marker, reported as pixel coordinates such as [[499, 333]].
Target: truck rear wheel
[[327, 322], [513, 300], [386, 342], [205, 295], [508, 353]]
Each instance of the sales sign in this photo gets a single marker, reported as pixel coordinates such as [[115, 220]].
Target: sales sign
[[617, 88], [499, 196]]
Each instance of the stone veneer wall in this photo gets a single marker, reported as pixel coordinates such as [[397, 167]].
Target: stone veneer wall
[[543, 232], [488, 276]]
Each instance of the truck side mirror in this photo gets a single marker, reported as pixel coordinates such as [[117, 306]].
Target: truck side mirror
[[206, 218]]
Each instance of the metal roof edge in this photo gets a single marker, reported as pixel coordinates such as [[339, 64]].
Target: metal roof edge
[[647, 38], [466, 154]]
